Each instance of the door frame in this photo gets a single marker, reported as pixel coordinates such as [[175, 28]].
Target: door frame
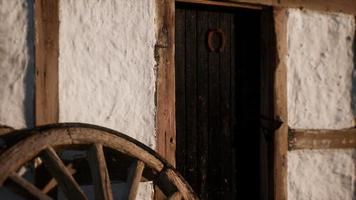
[[165, 58]]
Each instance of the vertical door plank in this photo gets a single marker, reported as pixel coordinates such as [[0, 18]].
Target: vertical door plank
[[214, 121], [237, 108], [46, 53], [202, 101], [233, 101], [180, 90], [191, 95], [267, 65], [225, 132], [99, 173], [248, 166]]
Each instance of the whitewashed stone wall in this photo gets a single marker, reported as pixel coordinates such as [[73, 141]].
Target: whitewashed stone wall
[[320, 65], [16, 63], [16, 67], [107, 68]]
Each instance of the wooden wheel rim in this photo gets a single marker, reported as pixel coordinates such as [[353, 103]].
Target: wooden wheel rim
[[41, 138]]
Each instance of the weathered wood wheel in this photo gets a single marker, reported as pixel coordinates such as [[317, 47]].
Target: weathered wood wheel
[[43, 147]]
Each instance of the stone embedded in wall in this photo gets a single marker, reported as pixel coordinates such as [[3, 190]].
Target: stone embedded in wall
[[321, 175], [16, 63], [320, 64]]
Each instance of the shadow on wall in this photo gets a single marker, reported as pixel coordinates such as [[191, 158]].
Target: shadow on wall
[[29, 80]]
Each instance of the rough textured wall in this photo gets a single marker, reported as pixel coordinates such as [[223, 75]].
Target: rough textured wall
[[16, 63], [16, 67], [322, 175], [320, 65], [107, 67]]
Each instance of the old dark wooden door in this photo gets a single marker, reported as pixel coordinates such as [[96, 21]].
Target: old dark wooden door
[[218, 101]]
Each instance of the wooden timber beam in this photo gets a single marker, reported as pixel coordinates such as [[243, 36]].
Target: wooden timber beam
[[322, 139], [222, 4], [165, 96], [345, 6], [5, 129], [164, 55], [280, 138], [46, 61]]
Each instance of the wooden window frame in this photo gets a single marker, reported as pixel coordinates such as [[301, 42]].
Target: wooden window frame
[[164, 54]]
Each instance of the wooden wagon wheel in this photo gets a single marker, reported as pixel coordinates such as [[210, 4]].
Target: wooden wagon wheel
[[45, 144]]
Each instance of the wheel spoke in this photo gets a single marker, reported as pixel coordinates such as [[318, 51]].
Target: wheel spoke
[[134, 179], [64, 178], [53, 183], [99, 172], [25, 188], [176, 196]]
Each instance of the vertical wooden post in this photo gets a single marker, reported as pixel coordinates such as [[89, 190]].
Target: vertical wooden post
[[46, 61], [280, 106], [164, 54]]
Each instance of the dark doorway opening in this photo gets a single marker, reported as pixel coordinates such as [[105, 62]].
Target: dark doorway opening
[[222, 90]]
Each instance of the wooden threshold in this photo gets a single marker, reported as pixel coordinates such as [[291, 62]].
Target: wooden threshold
[[222, 4], [322, 139]]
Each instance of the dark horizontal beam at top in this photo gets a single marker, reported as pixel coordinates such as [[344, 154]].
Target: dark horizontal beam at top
[[322, 139], [344, 6], [222, 4]]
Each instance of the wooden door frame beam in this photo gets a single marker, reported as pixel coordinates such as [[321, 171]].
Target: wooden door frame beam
[[344, 6], [280, 138], [165, 89], [223, 4]]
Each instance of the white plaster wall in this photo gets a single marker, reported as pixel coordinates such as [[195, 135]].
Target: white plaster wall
[[321, 175], [107, 67], [16, 68], [16, 63], [320, 66]]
